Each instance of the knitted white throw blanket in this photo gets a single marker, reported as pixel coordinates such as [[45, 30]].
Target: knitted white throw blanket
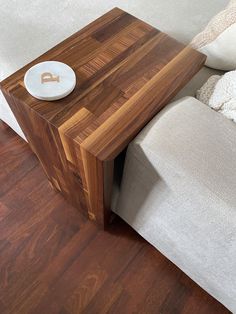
[[219, 92]]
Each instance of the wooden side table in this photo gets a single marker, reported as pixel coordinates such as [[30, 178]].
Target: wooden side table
[[126, 72]]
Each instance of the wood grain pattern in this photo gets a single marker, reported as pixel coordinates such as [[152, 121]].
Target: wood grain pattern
[[126, 72], [55, 261]]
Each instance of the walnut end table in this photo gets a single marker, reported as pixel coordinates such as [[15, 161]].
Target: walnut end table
[[127, 71]]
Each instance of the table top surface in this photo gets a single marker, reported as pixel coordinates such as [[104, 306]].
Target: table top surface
[[125, 69]]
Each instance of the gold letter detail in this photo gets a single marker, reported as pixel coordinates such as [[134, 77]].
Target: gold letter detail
[[48, 77]]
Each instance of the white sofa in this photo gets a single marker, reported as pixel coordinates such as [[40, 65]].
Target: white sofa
[[178, 192], [178, 184]]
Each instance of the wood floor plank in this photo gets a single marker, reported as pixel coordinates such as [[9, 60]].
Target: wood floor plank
[[53, 260], [3, 211]]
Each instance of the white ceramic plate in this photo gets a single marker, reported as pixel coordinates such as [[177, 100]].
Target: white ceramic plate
[[50, 80]]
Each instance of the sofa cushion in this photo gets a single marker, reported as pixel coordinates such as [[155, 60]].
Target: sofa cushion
[[217, 41], [219, 92], [205, 92]]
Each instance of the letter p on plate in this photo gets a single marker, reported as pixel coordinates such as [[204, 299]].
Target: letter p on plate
[[49, 77]]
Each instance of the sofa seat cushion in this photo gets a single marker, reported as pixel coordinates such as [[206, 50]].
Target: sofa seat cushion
[[178, 192]]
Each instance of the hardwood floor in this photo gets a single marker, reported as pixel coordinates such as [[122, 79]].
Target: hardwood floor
[[53, 260]]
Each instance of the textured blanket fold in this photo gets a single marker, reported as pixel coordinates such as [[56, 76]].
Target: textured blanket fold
[[219, 92]]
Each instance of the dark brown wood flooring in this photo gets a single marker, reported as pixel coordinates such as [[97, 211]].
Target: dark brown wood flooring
[[53, 260]]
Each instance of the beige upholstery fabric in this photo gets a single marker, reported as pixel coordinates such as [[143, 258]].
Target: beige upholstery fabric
[[178, 192], [197, 82], [29, 28]]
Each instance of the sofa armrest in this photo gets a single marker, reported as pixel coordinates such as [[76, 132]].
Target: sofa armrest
[[190, 139]]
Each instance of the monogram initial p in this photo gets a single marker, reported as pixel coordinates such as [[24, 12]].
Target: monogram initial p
[[48, 77]]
